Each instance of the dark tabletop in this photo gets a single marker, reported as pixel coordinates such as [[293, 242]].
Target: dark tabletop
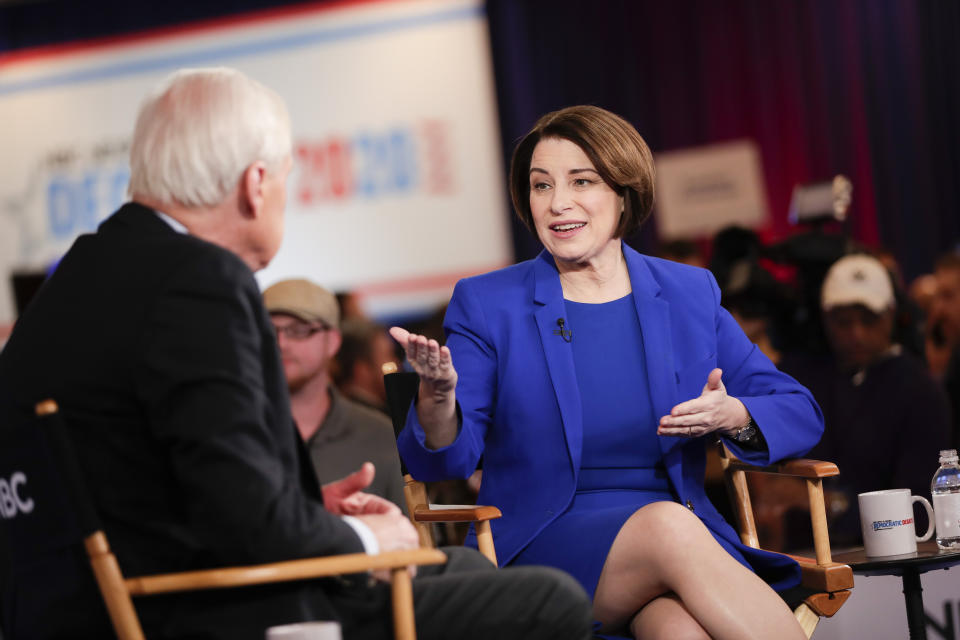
[[927, 558]]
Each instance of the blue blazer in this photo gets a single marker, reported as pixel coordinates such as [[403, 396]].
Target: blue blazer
[[520, 405]]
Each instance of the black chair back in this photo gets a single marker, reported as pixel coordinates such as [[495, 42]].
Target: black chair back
[[45, 513], [401, 387]]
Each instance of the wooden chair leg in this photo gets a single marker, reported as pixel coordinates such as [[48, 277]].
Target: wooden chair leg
[[807, 618], [404, 627], [115, 596], [485, 541]]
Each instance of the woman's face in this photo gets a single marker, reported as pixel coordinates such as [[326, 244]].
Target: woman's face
[[574, 211]]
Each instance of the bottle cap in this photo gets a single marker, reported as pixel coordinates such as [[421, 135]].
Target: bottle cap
[[948, 456]]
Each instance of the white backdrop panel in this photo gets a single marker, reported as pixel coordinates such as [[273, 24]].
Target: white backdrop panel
[[397, 188]]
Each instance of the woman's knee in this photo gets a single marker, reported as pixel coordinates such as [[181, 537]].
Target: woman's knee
[[663, 536], [668, 523]]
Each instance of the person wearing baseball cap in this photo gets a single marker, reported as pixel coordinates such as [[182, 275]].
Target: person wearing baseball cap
[[340, 434], [858, 305], [885, 418]]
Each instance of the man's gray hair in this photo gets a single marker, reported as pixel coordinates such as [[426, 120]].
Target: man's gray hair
[[199, 130]]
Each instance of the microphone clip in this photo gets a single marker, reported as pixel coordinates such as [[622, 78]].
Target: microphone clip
[[566, 334]]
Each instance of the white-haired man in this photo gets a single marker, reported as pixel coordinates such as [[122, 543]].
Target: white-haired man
[[153, 337]]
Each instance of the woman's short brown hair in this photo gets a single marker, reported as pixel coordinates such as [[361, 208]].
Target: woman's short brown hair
[[618, 153]]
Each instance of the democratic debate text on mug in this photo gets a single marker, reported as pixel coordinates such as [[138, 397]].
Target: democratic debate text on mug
[[886, 520]]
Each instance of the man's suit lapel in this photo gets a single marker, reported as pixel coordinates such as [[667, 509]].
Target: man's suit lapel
[[548, 298]]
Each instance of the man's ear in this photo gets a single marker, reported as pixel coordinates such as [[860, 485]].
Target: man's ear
[[251, 189], [334, 340]]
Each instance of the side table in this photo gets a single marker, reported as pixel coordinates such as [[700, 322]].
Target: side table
[[928, 557]]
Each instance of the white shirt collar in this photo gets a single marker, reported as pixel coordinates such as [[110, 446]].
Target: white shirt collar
[[175, 224]]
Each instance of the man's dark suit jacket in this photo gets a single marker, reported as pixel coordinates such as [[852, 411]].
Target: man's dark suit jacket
[[164, 362]]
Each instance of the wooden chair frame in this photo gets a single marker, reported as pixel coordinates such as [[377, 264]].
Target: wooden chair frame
[[423, 515], [118, 592], [831, 581]]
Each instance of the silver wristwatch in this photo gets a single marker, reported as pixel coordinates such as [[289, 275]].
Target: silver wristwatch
[[746, 433]]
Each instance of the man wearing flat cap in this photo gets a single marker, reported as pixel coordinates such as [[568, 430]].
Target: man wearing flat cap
[[885, 418], [340, 434]]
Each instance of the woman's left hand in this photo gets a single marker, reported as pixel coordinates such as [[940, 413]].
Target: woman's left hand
[[713, 411]]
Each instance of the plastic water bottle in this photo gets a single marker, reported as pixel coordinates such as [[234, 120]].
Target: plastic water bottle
[[945, 490]]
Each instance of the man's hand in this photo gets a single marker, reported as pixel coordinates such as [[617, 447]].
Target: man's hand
[[714, 410], [345, 497], [394, 533]]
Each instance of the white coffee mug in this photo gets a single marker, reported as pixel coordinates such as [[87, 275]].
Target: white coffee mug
[[305, 631], [886, 519]]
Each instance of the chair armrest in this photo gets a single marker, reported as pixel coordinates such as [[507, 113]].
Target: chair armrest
[[829, 577], [797, 467], [455, 513], [812, 471], [281, 571]]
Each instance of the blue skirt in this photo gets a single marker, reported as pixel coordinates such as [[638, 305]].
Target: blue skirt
[[579, 540]]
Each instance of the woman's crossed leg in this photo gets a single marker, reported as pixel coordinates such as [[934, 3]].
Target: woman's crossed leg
[[667, 577]]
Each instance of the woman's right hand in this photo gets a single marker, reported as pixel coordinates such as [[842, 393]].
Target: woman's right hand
[[436, 400], [431, 361]]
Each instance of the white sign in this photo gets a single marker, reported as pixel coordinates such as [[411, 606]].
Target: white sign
[[700, 191], [397, 189]]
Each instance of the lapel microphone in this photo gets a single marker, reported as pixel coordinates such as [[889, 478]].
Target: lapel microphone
[[566, 334]]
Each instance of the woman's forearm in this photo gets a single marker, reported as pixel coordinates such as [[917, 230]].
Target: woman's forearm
[[437, 412]]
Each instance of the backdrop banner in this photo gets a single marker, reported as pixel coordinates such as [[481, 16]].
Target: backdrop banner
[[397, 188]]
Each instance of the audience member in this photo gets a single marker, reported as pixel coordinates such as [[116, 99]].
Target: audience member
[[365, 349], [350, 305], [682, 251], [730, 246], [943, 333], [340, 434], [169, 379], [922, 291], [885, 418], [908, 319], [756, 301]]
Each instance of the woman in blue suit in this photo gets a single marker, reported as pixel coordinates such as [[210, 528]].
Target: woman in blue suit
[[591, 379]]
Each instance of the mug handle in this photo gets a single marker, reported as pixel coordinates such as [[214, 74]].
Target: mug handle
[[932, 523]]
